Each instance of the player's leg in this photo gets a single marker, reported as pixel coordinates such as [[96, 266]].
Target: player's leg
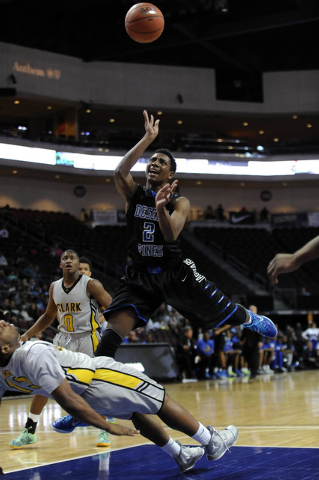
[[150, 428], [215, 443], [119, 324], [28, 434]]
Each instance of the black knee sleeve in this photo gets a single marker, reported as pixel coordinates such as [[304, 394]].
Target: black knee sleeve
[[239, 317], [108, 344]]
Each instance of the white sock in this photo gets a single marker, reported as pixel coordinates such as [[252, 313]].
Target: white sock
[[171, 448], [35, 418], [202, 435]]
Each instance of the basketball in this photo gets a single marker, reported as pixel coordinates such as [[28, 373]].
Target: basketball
[[144, 23]]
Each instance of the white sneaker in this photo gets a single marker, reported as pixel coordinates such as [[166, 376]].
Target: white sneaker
[[188, 456], [221, 440]]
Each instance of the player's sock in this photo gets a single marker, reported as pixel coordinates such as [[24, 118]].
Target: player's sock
[[171, 448], [202, 435], [108, 344], [31, 425]]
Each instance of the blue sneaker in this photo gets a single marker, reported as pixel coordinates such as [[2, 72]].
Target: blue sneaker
[[67, 424], [221, 374], [262, 325], [239, 373]]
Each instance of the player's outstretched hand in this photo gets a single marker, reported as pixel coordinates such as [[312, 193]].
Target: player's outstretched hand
[[116, 429], [151, 127], [164, 195], [281, 263]]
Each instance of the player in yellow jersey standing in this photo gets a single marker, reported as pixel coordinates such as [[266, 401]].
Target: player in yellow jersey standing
[[73, 299]]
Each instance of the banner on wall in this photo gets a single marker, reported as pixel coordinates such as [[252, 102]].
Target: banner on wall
[[290, 220], [108, 217], [242, 218], [313, 219]]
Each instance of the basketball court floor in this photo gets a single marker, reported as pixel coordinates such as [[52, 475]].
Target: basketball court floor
[[277, 417]]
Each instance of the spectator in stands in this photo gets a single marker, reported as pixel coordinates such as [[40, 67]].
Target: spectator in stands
[[304, 292], [252, 343], [219, 337], [131, 337], [310, 356], [3, 278], [4, 233], [232, 354], [312, 334], [33, 311], [299, 341], [56, 250], [220, 213], [3, 260], [5, 303], [12, 277], [289, 262], [264, 215], [186, 353], [206, 353], [209, 213], [149, 338]]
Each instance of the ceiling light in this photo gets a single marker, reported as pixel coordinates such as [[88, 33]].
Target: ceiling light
[[309, 125], [112, 120], [49, 107], [16, 102], [14, 171], [295, 117], [261, 132], [56, 176], [276, 139], [245, 124], [179, 122], [159, 112]]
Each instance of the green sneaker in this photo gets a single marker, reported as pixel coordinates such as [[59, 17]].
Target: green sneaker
[[25, 438], [104, 439]]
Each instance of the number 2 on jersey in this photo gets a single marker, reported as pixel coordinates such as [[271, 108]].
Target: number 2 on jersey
[[148, 232]]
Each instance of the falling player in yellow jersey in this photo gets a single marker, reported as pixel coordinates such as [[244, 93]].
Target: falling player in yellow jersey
[[74, 300], [88, 388]]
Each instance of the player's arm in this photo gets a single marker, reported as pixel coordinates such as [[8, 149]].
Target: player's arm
[[171, 225], [285, 262], [76, 406], [45, 320], [96, 289], [123, 179]]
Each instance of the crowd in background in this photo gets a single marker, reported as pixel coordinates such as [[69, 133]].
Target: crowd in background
[[214, 354]]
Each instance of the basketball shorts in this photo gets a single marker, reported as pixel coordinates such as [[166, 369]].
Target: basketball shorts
[[78, 342], [181, 287], [119, 390]]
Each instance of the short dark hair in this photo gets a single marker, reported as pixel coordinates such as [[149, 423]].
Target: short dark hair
[[170, 156], [86, 260], [70, 250]]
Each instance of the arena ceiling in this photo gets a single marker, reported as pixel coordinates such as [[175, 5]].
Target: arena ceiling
[[240, 39], [246, 36]]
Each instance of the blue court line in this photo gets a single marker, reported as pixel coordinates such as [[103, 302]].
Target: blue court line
[[149, 462]]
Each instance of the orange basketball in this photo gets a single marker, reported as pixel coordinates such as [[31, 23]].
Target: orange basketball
[[144, 22]]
